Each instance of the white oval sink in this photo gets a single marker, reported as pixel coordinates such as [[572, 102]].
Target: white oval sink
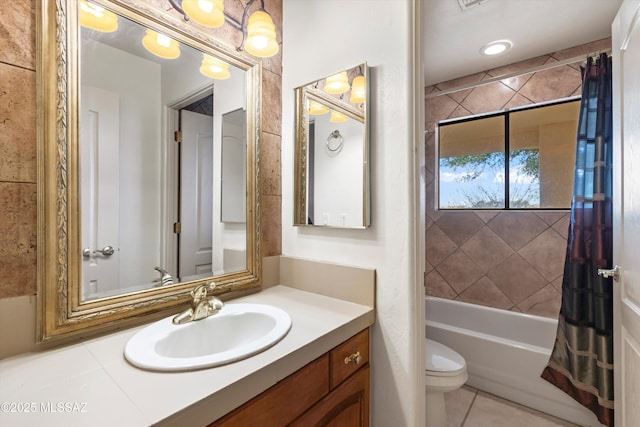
[[236, 332]]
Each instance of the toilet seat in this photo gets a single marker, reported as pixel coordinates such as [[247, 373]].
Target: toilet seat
[[441, 361]]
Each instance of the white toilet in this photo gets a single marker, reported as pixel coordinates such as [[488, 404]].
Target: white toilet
[[445, 370]]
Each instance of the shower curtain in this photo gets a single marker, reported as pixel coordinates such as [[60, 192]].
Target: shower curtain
[[581, 363]]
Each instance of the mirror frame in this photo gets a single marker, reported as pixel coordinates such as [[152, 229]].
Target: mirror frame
[[61, 311], [308, 92]]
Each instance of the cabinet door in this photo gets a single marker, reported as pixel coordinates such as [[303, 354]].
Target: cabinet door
[[345, 406], [283, 402]]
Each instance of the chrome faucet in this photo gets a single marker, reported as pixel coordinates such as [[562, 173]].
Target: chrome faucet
[[202, 305], [165, 277]]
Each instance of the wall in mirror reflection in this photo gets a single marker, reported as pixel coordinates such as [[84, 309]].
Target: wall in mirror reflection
[[332, 158]]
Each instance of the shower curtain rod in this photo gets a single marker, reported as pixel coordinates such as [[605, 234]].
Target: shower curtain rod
[[535, 69]]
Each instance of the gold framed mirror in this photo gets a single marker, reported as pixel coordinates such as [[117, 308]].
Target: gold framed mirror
[[130, 169], [332, 151]]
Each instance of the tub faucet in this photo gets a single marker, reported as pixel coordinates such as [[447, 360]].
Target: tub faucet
[[202, 305], [165, 277]]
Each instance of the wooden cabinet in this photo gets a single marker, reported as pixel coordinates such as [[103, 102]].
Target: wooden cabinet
[[333, 390]]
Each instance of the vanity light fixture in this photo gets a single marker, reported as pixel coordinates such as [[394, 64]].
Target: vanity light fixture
[[496, 47], [97, 18], [214, 68], [161, 45], [261, 35], [258, 30], [209, 13], [337, 84], [317, 109], [358, 91], [337, 117]]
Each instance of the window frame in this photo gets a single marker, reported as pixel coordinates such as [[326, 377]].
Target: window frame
[[505, 113]]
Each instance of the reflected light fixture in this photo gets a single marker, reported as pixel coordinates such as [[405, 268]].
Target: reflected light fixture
[[97, 18], [317, 109], [496, 47], [214, 68], [209, 13], [358, 91], [337, 117], [161, 45], [258, 29], [337, 84]]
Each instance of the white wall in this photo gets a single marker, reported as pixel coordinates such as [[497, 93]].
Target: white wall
[[321, 37], [138, 84]]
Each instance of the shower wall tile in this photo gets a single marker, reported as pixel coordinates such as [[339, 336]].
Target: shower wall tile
[[438, 287], [459, 271], [486, 249], [460, 226], [546, 254], [504, 259], [485, 292], [489, 97], [517, 228], [551, 217], [517, 278], [554, 83], [438, 246], [545, 302]]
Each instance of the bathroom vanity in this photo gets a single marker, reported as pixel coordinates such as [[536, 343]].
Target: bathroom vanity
[[332, 388], [302, 378]]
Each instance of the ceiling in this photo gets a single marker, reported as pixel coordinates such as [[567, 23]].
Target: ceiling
[[453, 37]]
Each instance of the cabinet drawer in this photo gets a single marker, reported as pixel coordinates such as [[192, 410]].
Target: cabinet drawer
[[343, 358]]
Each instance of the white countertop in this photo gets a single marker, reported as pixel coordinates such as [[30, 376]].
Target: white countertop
[[92, 384]]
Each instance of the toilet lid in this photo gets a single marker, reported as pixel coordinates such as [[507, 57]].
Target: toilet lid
[[441, 360]]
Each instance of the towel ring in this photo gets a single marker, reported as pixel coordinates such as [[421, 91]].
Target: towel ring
[[334, 143]]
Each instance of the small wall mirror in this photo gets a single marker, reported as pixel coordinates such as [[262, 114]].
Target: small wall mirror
[[332, 151], [148, 165]]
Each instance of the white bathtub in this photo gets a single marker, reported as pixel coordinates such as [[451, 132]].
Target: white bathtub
[[505, 353]]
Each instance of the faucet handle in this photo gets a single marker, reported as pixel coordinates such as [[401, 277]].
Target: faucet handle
[[201, 291]]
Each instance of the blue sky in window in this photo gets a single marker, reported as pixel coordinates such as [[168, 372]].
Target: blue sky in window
[[487, 189]]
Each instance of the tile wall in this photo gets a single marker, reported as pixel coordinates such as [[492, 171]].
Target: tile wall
[[508, 260], [18, 193]]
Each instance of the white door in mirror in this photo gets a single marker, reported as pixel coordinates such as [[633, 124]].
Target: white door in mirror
[[238, 331]]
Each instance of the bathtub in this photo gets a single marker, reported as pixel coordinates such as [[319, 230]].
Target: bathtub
[[505, 353]]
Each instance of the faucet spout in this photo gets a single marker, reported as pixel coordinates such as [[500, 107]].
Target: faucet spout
[[165, 277]]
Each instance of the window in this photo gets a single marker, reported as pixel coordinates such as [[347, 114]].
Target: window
[[516, 159]]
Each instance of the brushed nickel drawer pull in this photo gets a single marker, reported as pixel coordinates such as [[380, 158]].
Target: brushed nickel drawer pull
[[354, 358]]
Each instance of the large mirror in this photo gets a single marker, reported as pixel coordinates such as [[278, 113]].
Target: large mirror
[[148, 164], [332, 151]]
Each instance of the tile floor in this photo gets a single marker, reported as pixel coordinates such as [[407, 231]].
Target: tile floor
[[468, 407]]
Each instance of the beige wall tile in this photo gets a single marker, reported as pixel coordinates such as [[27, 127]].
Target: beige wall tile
[[270, 165], [17, 124], [271, 225], [18, 33], [18, 230]]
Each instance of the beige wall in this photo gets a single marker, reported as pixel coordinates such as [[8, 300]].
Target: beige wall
[[18, 193], [509, 260]]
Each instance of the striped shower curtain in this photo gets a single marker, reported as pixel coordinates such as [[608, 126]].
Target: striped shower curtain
[[581, 363]]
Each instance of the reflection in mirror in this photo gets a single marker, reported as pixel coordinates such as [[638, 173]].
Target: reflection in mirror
[[139, 116], [147, 199], [332, 173]]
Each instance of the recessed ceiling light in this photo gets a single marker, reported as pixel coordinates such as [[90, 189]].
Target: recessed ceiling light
[[496, 47]]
